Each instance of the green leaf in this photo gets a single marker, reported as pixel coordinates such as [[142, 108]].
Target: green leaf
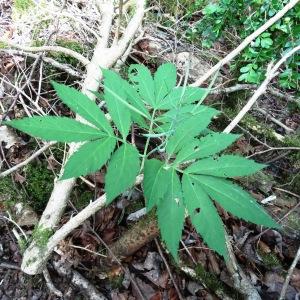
[[58, 129], [164, 81], [180, 96], [235, 200], [116, 99], [89, 158], [178, 115], [187, 130], [122, 170], [156, 182], [143, 79], [82, 105], [207, 221], [135, 100], [170, 213], [225, 166], [205, 146]]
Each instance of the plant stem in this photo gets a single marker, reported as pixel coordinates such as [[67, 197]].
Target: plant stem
[[148, 140]]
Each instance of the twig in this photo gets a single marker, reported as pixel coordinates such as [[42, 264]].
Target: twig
[[87, 250], [5, 265], [59, 49], [289, 275], [271, 73], [50, 284], [243, 87], [246, 42], [273, 149], [63, 67], [78, 280], [168, 269], [27, 161], [286, 128], [288, 192]]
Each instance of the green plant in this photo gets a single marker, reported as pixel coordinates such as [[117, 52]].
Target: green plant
[[23, 5], [223, 17], [183, 172]]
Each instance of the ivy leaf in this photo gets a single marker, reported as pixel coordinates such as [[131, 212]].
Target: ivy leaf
[[164, 81], [58, 129], [82, 105], [180, 96], [225, 166], [207, 221], [115, 97], [122, 170], [170, 213], [89, 158], [187, 130], [141, 76], [205, 146], [235, 200], [156, 182]]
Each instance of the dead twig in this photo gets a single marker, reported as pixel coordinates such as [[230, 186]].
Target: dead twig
[[289, 275], [50, 284], [168, 269], [26, 161]]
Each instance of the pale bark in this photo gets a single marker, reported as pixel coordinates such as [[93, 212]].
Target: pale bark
[[104, 56]]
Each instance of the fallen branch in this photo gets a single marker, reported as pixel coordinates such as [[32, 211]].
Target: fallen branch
[[245, 43], [35, 257], [271, 73]]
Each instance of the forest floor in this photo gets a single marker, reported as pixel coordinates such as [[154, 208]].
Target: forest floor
[[264, 255]]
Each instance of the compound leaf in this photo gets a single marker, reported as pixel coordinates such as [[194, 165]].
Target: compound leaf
[[116, 99], [89, 158], [235, 200], [156, 181], [58, 129], [225, 166], [207, 221], [206, 146], [142, 78], [187, 130], [122, 170], [83, 106], [181, 96], [170, 213], [164, 82]]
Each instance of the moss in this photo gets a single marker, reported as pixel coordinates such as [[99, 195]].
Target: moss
[[9, 194], [293, 221], [61, 57], [270, 260], [23, 244], [116, 281], [41, 236], [38, 185], [181, 7], [23, 5], [3, 45], [83, 199]]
